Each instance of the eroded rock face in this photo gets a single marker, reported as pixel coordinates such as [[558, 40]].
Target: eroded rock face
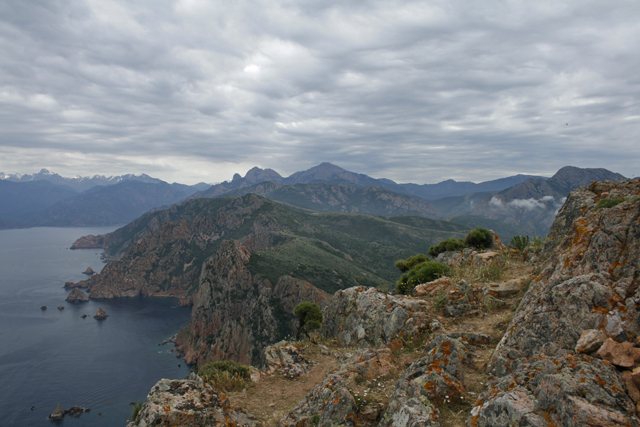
[[189, 402], [590, 282], [235, 314], [366, 317]]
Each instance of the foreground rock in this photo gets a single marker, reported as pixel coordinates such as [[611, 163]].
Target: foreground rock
[[76, 296], [435, 378], [330, 403], [189, 402], [590, 282], [89, 271], [283, 356], [366, 317], [100, 314]]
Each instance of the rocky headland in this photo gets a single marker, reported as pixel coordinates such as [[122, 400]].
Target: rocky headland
[[509, 354]]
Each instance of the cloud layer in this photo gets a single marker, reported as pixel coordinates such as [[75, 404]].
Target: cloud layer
[[413, 91]]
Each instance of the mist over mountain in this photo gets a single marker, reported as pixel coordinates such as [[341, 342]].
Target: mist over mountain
[[530, 206]]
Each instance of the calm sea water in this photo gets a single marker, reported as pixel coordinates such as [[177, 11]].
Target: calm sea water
[[54, 356]]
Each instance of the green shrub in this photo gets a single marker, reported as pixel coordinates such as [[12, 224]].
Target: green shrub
[[447, 245], [309, 317], [421, 273], [226, 375], [413, 261], [227, 366], [440, 301], [136, 409], [401, 265], [607, 203], [480, 238], [519, 242]]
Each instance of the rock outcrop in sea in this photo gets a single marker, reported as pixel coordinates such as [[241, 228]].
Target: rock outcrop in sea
[[76, 296], [100, 314]]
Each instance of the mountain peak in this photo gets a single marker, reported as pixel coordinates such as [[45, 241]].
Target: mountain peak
[[256, 174]]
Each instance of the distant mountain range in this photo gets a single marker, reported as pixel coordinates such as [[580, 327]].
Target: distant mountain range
[[81, 184], [520, 204], [327, 173], [47, 199]]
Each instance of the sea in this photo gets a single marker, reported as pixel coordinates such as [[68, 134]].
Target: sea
[[50, 357]]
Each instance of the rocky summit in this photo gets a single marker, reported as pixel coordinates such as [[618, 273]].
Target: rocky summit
[[545, 340]]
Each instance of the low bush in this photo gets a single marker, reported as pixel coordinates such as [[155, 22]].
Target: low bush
[[447, 245], [519, 242], [480, 238], [136, 409], [421, 273], [226, 375]]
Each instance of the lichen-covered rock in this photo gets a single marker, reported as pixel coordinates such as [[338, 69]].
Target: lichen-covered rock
[[462, 300], [285, 355], [366, 317], [590, 281], [555, 390], [189, 402], [436, 378], [330, 401]]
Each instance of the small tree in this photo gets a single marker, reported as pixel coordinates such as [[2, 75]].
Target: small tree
[[309, 317], [480, 238]]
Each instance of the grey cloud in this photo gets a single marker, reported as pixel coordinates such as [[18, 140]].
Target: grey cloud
[[412, 91]]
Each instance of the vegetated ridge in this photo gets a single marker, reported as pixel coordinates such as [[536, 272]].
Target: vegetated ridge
[[161, 253]]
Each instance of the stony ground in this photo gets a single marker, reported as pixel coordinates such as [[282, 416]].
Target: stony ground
[[273, 396]]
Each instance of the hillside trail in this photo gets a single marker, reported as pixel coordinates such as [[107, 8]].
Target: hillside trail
[[273, 396]]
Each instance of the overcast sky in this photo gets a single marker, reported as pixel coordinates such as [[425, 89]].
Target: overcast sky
[[424, 91]]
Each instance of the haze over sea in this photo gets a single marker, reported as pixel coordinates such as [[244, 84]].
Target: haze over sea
[[55, 356]]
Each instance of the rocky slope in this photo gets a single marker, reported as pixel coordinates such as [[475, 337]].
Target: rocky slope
[[589, 282]]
